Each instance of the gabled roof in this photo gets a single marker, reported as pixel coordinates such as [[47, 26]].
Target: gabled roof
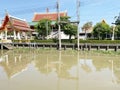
[[48, 15], [4, 23], [15, 23]]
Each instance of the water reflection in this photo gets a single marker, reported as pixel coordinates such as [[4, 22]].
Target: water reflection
[[14, 62], [56, 62], [70, 70]]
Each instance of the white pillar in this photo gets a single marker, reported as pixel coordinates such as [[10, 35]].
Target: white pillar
[[14, 35], [18, 36], [1, 35], [113, 33], [5, 34], [25, 36]]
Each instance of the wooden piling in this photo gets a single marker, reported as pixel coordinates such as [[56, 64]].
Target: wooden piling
[[89, 47], [116, 48], [98, 47], [64, 47]]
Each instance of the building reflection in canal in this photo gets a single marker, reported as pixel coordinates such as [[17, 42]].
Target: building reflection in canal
[[58, 70]]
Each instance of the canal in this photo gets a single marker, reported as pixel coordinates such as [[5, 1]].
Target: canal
[[37, 69]]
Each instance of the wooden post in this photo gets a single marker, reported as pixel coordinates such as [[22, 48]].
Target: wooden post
[[57, 46], [1, 46], [50, 46], [89, 47], [64, 47], [98, 47], [116, 48], [82, 47], [43, 46], [73, 47], [36, 45], [107, 48], [86, 46]]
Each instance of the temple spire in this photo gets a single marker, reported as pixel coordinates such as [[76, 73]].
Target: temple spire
[[6, 12]]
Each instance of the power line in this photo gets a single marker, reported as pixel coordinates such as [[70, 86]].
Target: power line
[[28, 10], [24, 11]]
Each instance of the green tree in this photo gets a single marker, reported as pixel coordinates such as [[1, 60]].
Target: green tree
[[43, 28], [117, 27], [117, 21], [117, 31], [101, 29], [67, 27], [86, 27], [70, 29]]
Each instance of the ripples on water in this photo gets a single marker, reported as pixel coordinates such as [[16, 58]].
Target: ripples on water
[[58, 70]]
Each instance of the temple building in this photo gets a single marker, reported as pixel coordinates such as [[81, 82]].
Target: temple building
[[53, 16], [13, 28], [48, 15]]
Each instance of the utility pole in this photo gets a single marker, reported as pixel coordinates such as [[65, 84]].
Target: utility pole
[[113, 32], [78, 20], [59, 28], [47, 29], [114, 26]]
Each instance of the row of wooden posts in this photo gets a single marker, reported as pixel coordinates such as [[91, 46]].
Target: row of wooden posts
[[83, 46]]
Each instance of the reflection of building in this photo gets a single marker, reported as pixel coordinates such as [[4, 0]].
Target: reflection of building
[[65, 65], [87, 65], [14, 28], [14, 64]]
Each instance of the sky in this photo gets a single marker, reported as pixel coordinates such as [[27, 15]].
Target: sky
[[90, 10]]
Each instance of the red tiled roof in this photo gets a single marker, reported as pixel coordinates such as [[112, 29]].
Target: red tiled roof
[[50, 16], [23, 28], [15, 23], [6, 19]]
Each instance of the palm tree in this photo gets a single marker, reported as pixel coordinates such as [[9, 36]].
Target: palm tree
[[87, 26]]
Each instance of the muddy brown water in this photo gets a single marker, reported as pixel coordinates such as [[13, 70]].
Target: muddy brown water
[[58, 70]]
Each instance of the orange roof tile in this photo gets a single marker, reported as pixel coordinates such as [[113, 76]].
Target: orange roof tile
[[50, 16], [23, 28], [15, 23]]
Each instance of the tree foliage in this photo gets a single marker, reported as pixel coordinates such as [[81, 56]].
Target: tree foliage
[[117, 28], [117, 31], [87, 26], [67, 27], [117, 21], [43, 28], [70, 29], [100, 30]]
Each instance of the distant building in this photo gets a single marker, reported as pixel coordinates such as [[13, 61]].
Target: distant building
[[86, 34], [14, 28], [53, 16], [47, 15]]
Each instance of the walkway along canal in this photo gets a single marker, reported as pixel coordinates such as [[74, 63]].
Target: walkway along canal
[[85, 46]]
